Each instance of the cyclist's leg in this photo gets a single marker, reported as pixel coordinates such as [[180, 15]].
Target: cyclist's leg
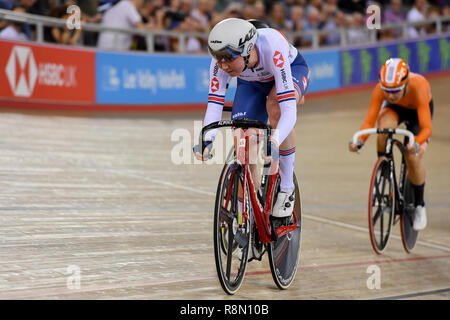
[[287, 147], [300, 77], [416, 168], [388, 118]]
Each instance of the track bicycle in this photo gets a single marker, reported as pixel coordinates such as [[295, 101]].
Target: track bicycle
[[241, 226], [391, 197]]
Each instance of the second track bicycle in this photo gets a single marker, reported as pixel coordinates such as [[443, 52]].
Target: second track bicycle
[[391, 196]]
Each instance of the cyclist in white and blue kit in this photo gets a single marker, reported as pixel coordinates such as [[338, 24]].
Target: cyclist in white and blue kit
[[272, 77]]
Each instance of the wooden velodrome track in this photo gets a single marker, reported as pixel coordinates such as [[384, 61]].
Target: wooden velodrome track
[[98, 196]]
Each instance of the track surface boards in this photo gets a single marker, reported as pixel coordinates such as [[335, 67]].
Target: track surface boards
[[100, 193]]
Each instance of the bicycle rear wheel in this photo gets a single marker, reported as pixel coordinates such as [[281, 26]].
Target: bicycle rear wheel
[[381, 204], [231, 241], [409, 235], [284, 254]]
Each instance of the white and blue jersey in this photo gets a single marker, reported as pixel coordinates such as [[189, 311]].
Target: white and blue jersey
[[280, 65]]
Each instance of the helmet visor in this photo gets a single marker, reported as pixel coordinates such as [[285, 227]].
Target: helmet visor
[[226, 54]]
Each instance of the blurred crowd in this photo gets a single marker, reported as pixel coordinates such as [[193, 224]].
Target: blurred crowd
[[199, 16]]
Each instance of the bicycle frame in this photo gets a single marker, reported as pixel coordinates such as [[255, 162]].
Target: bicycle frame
[[398, 185], [261, 212]]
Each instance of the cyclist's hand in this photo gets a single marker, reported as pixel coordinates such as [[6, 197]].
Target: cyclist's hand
[[414, 149], [206, 153], [355, 147]]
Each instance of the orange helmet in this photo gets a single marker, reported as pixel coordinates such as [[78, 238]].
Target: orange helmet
[[394, 74]]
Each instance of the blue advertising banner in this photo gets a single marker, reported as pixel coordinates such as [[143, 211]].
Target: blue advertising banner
[[361, 65], [137, 78], [143, 79], [324, 68]]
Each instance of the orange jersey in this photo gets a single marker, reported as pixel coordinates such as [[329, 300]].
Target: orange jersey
[[418, 98]]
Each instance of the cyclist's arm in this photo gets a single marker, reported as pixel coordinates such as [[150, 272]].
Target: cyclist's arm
[[218, 81], [280, 50], [374, 109], [424, 115]]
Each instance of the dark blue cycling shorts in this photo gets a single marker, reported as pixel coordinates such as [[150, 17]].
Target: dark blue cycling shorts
[[251, 96]]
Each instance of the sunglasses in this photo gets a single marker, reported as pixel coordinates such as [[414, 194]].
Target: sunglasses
[[226, 54], [393, 91]]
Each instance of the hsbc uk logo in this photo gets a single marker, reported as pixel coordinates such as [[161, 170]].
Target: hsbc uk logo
[[21, 71], [24, 73], [278, 59], [214, 84]]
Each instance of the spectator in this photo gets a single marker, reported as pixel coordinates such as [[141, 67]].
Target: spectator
[[329, 8], [445, 12], [394, 14], [88, 7], [355, 34], [289, 5], [61, 35], [351, 6], [277, 17], [122, 15], [337, 22], [311, 23], [331, 5], [178, 19], [295, 20], [432, 13], [193, 44], [416, 14], [11, 5], [41, 7], [259, 11], [234, 10], [27, 4], [152, 14], [203, 13], [6, 4], [315, 4], [14, 30], [295, 23], [247, 12]]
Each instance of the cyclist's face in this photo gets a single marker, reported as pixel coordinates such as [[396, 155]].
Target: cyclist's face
[[233, 68], [393, 97]]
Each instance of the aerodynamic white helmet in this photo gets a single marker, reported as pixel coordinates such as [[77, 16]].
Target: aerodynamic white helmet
[[231, 38]]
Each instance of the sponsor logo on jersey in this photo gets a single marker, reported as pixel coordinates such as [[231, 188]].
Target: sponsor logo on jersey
[[283, 77], [278, 59], [214, 84]]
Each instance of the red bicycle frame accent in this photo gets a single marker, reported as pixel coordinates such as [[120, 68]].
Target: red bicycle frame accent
[[262, 215]]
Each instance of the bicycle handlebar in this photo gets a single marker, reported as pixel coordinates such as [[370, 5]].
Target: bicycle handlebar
[[404, 132], [238, 123]]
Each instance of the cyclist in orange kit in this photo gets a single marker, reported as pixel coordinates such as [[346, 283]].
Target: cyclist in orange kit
[[403, 96]]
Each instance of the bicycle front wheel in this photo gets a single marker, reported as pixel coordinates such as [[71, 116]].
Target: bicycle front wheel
[[284, 254], [381, 204], [231, 240]]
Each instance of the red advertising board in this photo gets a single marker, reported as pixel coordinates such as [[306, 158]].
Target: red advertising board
[[39, 72]]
